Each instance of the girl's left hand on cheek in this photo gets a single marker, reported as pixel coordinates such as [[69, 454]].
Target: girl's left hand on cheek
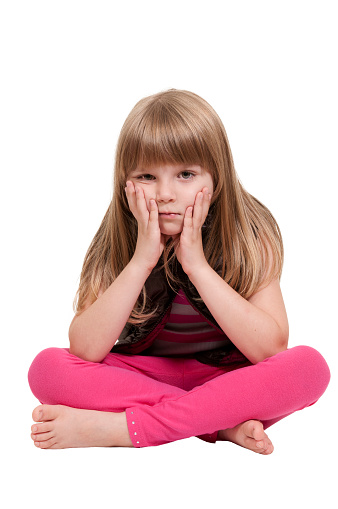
[[189, 250]]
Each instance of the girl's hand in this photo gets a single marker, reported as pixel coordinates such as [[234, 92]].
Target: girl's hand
[[189, 250], [150, 241]]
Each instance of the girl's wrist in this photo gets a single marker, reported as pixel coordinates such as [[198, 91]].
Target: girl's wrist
[[140, 266], [194, 270]]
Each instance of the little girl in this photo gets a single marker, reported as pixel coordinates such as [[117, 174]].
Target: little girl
[[180, 327]]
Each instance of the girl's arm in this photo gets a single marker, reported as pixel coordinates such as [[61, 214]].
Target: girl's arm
[[258, 327], [93, 333]]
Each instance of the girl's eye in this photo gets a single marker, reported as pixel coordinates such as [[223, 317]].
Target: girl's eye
[[147, 176], [140, 177], [189, 173]]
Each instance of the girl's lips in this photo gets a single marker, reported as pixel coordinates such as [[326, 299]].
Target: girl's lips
[[171, 214]]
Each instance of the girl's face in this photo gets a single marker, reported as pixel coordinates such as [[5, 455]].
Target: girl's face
[[174, 188]]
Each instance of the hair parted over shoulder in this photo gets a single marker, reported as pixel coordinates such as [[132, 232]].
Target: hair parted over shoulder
[[242, 238]]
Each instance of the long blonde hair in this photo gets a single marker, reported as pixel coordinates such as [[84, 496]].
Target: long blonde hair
[[242, 238]]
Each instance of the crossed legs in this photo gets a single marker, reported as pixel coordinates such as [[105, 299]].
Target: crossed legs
[[114, 404]]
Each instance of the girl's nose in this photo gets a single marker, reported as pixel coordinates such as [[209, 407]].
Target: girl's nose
[[165, 193]]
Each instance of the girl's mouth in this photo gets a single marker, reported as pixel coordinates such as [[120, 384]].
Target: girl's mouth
[[169, 216]]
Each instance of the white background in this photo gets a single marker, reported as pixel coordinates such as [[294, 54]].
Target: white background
[[71, 72]]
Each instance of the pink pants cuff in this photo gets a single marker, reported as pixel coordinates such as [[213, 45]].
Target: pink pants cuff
[[135, 431]]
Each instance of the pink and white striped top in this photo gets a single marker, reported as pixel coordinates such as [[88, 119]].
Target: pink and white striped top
[[185, 333]]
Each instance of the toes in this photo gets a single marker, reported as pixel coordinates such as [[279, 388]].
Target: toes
[[47, 444], [251, 444], [37, 413], [264, 447], [43, 433], [45, 412], [257, 430], [261, 446], [269, 449], [251, 435], [42, 427], [263, 443], [42, 437]]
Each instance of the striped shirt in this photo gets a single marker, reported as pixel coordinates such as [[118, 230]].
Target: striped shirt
[[185, 333]]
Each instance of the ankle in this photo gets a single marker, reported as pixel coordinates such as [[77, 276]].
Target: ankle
[[124, 437], [222, 436]]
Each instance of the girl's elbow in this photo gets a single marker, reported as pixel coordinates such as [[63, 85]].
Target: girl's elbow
[[283, 340], [279, 345], [84, 354], [77, 347], [87, 348], [79, 352]]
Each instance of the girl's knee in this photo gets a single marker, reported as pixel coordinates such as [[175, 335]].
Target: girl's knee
[[45, 368], [45, 359], [311, 356], [313, 365]]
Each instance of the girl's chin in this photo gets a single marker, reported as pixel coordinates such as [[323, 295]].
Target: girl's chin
[[170, 235]]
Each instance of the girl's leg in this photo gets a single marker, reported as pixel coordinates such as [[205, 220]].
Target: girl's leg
[[292, 380], [58, 378], [267, 392]]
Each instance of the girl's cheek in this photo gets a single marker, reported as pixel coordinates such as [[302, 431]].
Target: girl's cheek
[[148, 198]]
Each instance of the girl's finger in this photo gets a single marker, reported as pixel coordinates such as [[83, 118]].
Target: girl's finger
[[131, 196], [146, 215], [205, 204], [141, 202], [201, 208], [188, 219], [134, 199], [135, 194], [153, 214], [198, 209]]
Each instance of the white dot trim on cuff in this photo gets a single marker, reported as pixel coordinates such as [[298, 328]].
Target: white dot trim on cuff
[[135, 433]]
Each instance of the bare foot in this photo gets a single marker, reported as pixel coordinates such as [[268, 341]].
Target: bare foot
[[60, 427], [248, 434]]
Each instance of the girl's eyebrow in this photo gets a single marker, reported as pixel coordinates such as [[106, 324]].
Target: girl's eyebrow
[[179, 167]]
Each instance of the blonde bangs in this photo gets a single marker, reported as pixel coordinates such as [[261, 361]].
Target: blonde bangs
[[165, 133]]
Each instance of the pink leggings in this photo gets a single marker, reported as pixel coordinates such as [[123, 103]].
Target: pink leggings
[[168, 399]]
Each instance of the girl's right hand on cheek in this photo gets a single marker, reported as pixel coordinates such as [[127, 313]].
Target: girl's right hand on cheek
[[150, 241]]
